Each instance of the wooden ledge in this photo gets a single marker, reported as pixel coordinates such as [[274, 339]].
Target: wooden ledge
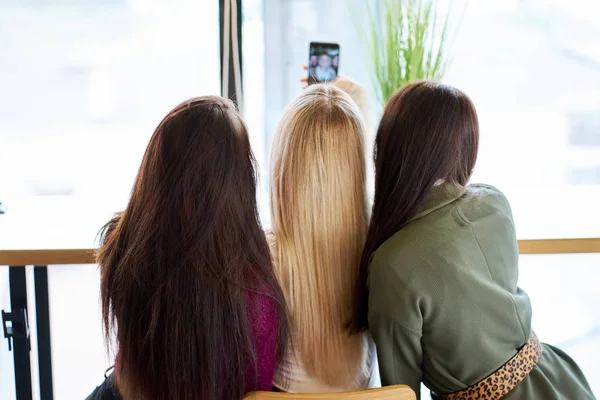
[[87, 256], [559, 246], [47, 257]]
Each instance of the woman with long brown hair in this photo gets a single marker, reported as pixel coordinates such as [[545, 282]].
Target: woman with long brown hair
[[187, 287], [319, 222], [439, 269]]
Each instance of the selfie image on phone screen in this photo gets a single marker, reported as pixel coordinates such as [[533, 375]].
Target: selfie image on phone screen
[[323, 62]]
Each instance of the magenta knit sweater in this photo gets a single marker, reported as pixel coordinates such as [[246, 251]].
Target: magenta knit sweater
[[262, 315]]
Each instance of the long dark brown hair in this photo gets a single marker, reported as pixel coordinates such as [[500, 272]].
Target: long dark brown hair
[[428, 133], [178, 262]]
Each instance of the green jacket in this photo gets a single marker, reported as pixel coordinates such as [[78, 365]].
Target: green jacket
[[444, 305]]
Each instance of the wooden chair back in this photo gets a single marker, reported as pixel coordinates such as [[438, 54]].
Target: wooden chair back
[[396, 392]]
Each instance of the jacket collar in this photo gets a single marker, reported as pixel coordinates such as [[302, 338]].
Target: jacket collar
[[440, 196]]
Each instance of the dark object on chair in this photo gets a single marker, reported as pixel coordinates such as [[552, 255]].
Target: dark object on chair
[[107, 390]]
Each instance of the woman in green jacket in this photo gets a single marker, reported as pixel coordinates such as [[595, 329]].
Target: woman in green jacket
[[441, 265]]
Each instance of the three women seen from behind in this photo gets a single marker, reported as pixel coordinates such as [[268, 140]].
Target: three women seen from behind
[[319, 222], [439, 271], [198, 304], [188, 290]]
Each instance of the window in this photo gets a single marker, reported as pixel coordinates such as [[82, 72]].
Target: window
[[83, 84], [531, 67], [254, 81], [276, 54], [533, 70]]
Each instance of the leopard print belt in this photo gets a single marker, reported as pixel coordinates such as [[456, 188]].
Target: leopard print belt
[[505, 379]]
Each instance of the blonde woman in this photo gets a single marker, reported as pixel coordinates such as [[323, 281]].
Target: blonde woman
[[319, 222]]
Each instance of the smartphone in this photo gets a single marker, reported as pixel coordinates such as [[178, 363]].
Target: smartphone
[[323, 62]]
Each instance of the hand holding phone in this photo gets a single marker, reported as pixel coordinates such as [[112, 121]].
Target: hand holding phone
[[323, 62]]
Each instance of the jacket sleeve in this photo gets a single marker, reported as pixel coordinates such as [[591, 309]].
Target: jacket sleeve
[[398, 350], [395, 321]]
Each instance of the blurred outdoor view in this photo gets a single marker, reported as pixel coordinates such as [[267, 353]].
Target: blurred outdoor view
[[83, 84]]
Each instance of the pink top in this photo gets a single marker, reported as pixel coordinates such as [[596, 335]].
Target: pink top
[[262, 315]]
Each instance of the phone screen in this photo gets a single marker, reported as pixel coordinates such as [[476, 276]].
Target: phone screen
[[323, 62]]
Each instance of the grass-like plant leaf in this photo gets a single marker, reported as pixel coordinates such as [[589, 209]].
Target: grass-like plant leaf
[[405, 42]]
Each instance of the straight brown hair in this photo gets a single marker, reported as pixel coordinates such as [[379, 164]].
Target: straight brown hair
[[178, 262], [429, 133]]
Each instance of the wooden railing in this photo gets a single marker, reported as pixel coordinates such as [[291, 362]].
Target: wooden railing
[[87, 256], [559, 246]]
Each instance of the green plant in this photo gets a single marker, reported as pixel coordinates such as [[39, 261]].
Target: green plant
[[406, 43]]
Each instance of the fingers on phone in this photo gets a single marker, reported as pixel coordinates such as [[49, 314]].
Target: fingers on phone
[[305, 79]]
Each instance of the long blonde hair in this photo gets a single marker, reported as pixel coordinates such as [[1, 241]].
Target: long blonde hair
[[319, 223]]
